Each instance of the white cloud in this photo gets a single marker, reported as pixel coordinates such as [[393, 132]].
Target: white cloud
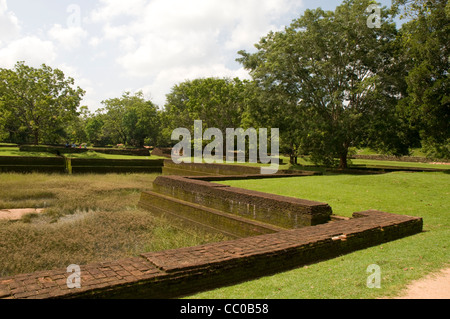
[[167, 78], [172, 33], [90, 98], [30, 49], [140, 44], [9, 24], [94, 41], [164, 42], [110, 9], [68, 38]]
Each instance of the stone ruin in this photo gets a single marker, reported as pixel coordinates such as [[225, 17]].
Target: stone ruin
[[270, 234]]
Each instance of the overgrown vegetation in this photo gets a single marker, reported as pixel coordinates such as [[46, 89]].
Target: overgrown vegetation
[[88, 218]]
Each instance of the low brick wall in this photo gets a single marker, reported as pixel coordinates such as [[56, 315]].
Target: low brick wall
[[21, 164], [185, 214], [268, 250], [192, 169], [162, 151], [210, 169], [414, 159], [277, 210], [83, 165], [179, 272]]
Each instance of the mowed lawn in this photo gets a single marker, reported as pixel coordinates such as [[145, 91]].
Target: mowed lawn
[[416, 194], [88, 218]]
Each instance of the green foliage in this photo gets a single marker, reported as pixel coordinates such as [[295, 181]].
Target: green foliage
[[93, 128], [219, 103], [425, 41], [326, 78], [130, 120], [37, 103]]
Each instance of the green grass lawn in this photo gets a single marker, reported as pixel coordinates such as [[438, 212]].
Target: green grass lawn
[[401, 261], [14, 151], [95, 155], [368, 151], [304, 162]]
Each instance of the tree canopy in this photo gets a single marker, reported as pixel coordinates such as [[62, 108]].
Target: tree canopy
[[130, 119], [425, 41], [217, 102], [328, 77], [331, 81], [37, 102]]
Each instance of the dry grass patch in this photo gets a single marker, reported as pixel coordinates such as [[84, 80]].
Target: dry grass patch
[[88, 218]]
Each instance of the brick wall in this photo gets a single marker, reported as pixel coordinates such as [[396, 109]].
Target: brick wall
[[178, 272], [277, 210], [183, 271]]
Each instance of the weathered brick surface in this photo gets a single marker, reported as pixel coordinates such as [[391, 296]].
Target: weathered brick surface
[[214, 221], [216, 169], [94, 277], [278, 210], [182, 271]]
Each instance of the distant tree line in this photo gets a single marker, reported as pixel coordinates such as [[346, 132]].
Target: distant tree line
[[328, 81]]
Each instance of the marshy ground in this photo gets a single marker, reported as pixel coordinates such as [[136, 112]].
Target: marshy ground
[[86, 218]]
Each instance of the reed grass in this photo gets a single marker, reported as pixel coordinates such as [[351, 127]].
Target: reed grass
[[88, 218]]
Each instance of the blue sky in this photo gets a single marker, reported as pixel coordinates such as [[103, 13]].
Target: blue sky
[[113, 46]]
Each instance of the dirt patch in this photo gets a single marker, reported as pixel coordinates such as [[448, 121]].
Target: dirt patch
[[434, 286], [16, 214]]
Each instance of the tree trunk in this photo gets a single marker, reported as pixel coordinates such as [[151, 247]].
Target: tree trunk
[[36, 137], [343, 159], [291, 159], [291, 154]]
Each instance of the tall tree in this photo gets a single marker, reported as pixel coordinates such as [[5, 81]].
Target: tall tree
[[93, 128], [329, 76], [426, 48], [131, 119], [219, 103], [41, 101]]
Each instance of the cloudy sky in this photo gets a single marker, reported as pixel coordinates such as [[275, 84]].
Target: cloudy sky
[[113, 46]]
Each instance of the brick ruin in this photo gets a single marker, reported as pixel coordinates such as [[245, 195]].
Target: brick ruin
[[271, 234]]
